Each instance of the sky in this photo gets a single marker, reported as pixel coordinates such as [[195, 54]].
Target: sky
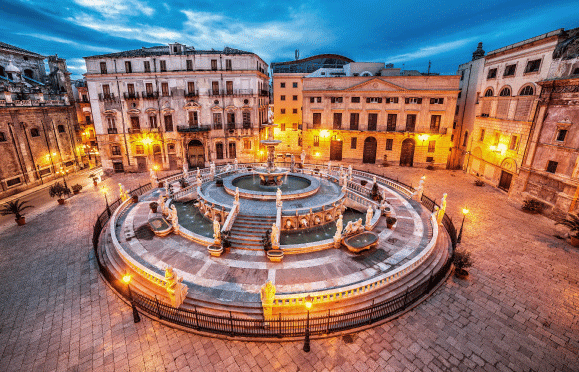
[[408, 34]]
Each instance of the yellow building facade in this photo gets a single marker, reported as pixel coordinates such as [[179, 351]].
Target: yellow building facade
[[288, 103]]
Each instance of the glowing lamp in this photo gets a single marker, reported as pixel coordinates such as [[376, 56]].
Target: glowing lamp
[[155, 167], [423, 137], [127, 279], [308, 302], [147, 141], [465, 211], [317, 154], [324, 133]]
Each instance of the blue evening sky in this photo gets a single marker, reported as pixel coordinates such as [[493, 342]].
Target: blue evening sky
[[409, 33]]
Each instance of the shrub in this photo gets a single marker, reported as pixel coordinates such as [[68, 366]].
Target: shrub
[[363, 182], [462, 259], [153, 205], [533, 205], [376, 193], [390, 220], [479, 182], [59, 190], [15, 207], [266, 240], [572, 222], [76, 188]]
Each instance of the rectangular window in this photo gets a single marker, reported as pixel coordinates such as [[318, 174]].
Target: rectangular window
[[282, 85], [217, 120], [149, 88], [561, 134], [247, 144], [374, 100], [228, 65], [111, 122], [316, 141], [115, 150], [354, 120], [317, 119], [214, 64], [431, 146], [135, 122], [282, 127], [131, 90], [106, 90], [103, 67], [215, 87], [294, 111], [497, 139], [436, 101], [533, 66], [336, 99], [282, 98], [191, 88], [482, 135], [295, 98], [232, 152], [410, 122], [461, 75], [456, 110], [128, 67], [355, 100], [168, 123], [353, 143], [147, 66], [165, 89], [510, 70], [282, 111], [230, 118], [163, 65], [514, 144], [552, 166], [219, 150], [193, 118], [429, 159], [337, 120], [139, 149], [189, 65], [152, 121], [434, 123], [413, 100], [389, 144], [391, 122], [372, 121], [229, 87], [319, 99], [246, 117], [294, 85], [391, 99], [492, 73]]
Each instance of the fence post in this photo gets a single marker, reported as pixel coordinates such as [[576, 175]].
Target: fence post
[[196, 317], [371, 312], [328, 323], [231, 324], [405, 298], [280, 335], [158, 307]]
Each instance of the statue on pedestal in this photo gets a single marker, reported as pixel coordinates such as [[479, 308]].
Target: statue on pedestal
[[339, 228], [369, 215], [185, 169], [350, 171], [235, 164], [303, 157], [216, 231], [153, 177], [417, 194], [175, 288], [212, 170], [293, 164], [173, 217], [236, 195], [267, 297], [122, 192], [274, 236], [278, 198]]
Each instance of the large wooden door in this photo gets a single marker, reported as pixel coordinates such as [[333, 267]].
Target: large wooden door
[[407, 153], [141, 164], [336, 150], [505, 181], [370, 146], [196, 154]]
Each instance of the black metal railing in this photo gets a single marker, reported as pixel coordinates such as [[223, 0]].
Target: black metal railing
[[150, 95], [279, 326], [131, 95]]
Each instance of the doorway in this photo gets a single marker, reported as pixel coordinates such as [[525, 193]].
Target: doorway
[[336, 149], [141, 164], [195, 154], [370, 146], [407, 153], [505, 181]]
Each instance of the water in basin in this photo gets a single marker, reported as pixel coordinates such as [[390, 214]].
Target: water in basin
[[318, 233], [290, 183], [191, 219], [362, 240]]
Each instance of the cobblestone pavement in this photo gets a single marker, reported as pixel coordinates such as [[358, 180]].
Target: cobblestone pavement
[[518, 310]]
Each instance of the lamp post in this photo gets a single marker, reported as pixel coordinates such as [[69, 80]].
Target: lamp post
[[464, 213], [104, 191], [307, 339], [136, 317]]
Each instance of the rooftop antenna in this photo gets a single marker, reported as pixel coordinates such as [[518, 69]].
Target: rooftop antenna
[[429, 63], [297, 54]]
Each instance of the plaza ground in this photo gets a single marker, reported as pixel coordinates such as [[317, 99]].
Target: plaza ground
[[518, 310]]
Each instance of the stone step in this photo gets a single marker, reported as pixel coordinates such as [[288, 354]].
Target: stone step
[[247, 232], [255, 219], [252, 225]]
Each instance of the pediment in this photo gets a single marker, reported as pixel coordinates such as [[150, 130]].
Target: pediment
[[376, 84], [216, 108], [110, 112], [151, 111], [134, 111], [230, 108], [192, 106]]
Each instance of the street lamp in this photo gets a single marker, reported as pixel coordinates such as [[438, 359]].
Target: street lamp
[[308, 304], [104, 190], [464, 213], [136, 317]]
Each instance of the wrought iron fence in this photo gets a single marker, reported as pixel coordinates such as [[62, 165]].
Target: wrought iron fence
[[279, 326]]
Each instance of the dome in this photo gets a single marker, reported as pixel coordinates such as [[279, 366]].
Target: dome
[[11, 68]]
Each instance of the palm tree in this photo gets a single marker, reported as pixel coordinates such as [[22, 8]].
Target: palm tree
[[572, 222], [15, 207]]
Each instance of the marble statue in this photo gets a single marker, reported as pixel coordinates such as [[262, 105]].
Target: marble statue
[[212, 169], [274, 236], [369, 215], [349, 228], [185, 169], [350, 171], [329, 167], [443, 202], [175, 288], [174, 218], [198, 172], [357, 226], [270, 115], [216, 231], [341, 170], [267, 295], [235, 164], [237, 195], [278, 202], [153, 177], [345, 186], [340, 225], [303, 157], [161, 202], [293, 163], [374, 179], [122, 192], [417, 194]]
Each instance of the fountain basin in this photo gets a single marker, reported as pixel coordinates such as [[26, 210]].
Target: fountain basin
[[359, 242], [297, 186], [160, 226]]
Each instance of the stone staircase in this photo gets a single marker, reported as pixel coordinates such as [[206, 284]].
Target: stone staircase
[[247, 231]]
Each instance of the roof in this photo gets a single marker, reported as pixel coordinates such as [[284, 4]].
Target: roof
[[20, 50], [297, 61], [528, 41], [162, 50]]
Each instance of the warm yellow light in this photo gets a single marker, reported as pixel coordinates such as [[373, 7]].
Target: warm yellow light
[[308, 302], [147, 141], [54, 154], [317, 154], [260, 152], [423, 137], [502, 147], [324, 133], [104, 190], [155, 167], [465, 211], [127, 279]]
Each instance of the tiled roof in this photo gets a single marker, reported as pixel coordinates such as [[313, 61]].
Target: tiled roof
[[162, 50], [20, 50]]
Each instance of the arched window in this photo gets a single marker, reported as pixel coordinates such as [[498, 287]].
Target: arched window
[[505, 92], [34, 132], [527, 91], [465, 138], [60, 128], [28, 72], [489, 92]]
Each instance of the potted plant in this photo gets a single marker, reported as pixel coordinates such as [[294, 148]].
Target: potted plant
[[15, 207], [219, 182], [266, 240], [60, 191], [94, 177], [390, 221], [572, 222], [461, 261], [135, 198], [363, 182], [376, 193], [478, 182], [153, 206], [533, 206], [183, 183], [76, 189]]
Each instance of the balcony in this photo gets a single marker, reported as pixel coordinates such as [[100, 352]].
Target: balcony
[[231, 126], [192, 94], [246, 125], [264, 93], [150, 95], [198, 128], [134, 130], [239, 92], [107, 97], [215, 92], [131, 95], [112, 130]]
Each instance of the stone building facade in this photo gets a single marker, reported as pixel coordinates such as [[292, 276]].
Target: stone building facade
[[38, 138], [288, 103], [88, 147], [169, 106]]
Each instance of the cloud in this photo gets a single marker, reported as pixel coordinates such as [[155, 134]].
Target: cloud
[[74, 44], [431, 50], [117, 8]]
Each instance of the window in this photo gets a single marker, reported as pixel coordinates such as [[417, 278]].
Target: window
[[374, 100], [294, 111], [2, 137], [282, 85], [391, 100], [152, 121], [355, 100], [232, 151], [229, 87], [431, 146], [163, 65], [228, 65], [282, 98], [533, 66], [354, 120], [429, 159], [131, 90], [106, 90], [246, 117], [214, 68], [552, 166], [391, 122], [437, 101], [336, 99], [459, 93], [165, 89], [337, 120], [527, 91], [353, 143], [60, 128], [295, 98], [171, 148], [111, 122], [139, 149], [372, 121], [149, 88], [282, 111], [316, 141], [247, 144], [576, 71], [135, 122], [456, 110], [128, 67], [193, 118], [465, 138], [294, 84], [231, 118], [168, 123], [191, 88], [315, 99], [219, 150], [189, 65], [514, 143], [215, 87], [505, 92], [492, 73], [497, 139], [489, 93], [217, 120], [147, 66], [413, 100], [115, 150], [85, 98], [410, 122], [510, 70], [561, 134], [389, 144], [482, 135], [103, 67], [435, 123], [317, 119], [300, 141], [282, 127]]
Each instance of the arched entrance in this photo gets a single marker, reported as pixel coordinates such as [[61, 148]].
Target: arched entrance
[[407, 153], [158, 156], [336, 148], [195, 154], [370, 146]]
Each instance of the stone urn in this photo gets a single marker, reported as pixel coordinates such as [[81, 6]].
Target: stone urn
[[61, 201], [20, 221], [275, 255], [215, 250]]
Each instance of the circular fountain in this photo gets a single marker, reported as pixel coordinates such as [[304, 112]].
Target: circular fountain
[[270, 175]]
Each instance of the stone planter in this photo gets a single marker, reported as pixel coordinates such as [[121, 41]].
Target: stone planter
[[154, 210], [215, 250], [61, 201], [20, 221], [574, 241], [160, 184], [275, 255]]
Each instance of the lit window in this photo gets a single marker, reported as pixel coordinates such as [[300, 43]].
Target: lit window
[[431, 146], [514, 143], [389, 144], [316, 141]]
